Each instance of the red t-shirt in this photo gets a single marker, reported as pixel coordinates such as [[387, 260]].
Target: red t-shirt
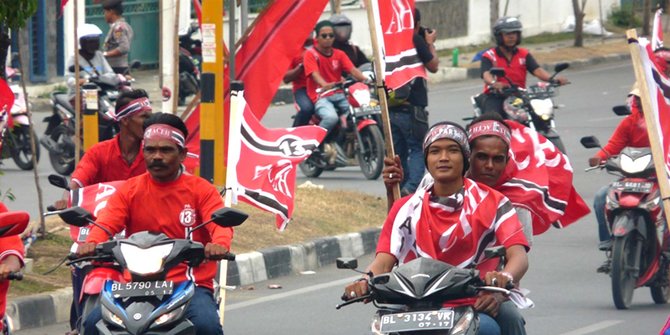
[[143, 204], [515, 69], [10, 245], [103, 162], [631, 132], [329, 67], [300, 81]]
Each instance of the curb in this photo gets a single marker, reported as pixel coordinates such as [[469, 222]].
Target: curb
[[252, 267]]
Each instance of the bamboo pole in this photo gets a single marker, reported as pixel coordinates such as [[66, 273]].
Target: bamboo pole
[[654, 139], [381, 92], [77, 89]]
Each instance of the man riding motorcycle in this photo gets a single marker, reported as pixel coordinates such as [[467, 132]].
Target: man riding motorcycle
[[515, 60], [11, 260]]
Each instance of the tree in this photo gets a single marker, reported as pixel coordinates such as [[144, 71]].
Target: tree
[[13, 15], [646, 17], [494, 9], [579, 22]]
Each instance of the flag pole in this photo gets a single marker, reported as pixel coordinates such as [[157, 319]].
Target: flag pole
[[381, 92], [77, 88], [652, 127]]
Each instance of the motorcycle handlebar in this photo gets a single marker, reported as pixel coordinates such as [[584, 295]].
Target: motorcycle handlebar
[[15, 276], [229, 256]]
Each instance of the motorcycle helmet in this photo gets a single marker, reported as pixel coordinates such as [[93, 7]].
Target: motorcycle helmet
[[89, 37], [506, 24], [513, 107], [341, 26]]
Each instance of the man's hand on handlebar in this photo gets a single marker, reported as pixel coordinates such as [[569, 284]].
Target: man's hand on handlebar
[[86, 249], [356, 289], [215, 251], [499, 86], [561, 80], [595, 161]]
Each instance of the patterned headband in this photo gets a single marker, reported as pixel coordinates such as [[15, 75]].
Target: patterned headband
[[133, 107], [489, 128], [448, 131], [160, 131]]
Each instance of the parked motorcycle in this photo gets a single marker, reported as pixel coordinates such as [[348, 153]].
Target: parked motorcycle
[[190, 60], [532, 107], [356, 140], [411, 297], [639, 255], [15, 130], [99, 93], [148, 304], [12, 223]]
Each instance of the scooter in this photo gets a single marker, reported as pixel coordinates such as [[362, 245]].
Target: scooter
[[12, 223], [357, 140], [639, 255], [411, 297], [15, 130], [532, 107], [148, 303]]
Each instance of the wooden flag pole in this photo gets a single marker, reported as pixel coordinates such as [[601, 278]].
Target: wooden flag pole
[[381, 92], [77, 89], [654, 139]]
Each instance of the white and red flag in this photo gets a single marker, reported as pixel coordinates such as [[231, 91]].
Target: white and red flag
[[262, 162], [657, 31], [92, 198], [394, 20], [539, 178]]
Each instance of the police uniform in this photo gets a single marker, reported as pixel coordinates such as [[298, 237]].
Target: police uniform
[[119, 37]]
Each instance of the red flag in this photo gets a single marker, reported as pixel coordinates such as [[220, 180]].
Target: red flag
[[657, 31], [198, 10], [62, 6], [6, 103], [541, 180], [658, 85], [266, 176], [395, 30], [92, 198]]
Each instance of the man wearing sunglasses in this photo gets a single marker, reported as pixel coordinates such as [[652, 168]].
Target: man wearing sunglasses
[[323, 68]]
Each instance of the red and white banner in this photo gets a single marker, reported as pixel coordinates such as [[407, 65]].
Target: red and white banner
[[658, 85], [92, 198], [657, 31], [541, 180], [395, 30], [262, 162]]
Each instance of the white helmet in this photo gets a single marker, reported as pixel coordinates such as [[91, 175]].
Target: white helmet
[[88, 30]]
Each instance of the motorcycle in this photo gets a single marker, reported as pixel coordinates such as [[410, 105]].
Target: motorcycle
[[410, 299], [15, 130], [148, 304], [532, 107], [12, 223], [190, 60], [635, 220], [356, 140], [99, 93]]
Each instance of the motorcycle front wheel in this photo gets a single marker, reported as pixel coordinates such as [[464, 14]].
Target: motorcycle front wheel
[[63, 162], [21, 149], [372, 143], [625, 256]]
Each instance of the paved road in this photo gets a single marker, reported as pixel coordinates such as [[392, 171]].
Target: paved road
[[571, 298]]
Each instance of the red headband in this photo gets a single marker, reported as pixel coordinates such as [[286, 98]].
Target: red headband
[[160, 131], [490, 128], [133, 107]]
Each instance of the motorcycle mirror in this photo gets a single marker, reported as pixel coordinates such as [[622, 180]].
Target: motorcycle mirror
[[13, 223], [497, 71], [347, 263], [229, 217], [59, 181], [561, 66], [621, 110], [135, 64], [590, 142], [76, 216]]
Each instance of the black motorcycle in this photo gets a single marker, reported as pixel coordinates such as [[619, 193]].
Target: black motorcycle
[[190, 60]]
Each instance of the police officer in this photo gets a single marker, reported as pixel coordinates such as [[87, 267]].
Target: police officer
[[119, 37]]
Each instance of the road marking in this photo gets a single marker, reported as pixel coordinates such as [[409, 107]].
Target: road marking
[[594, 327], [273, 297]]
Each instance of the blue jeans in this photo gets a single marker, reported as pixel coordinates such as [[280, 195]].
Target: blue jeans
[[487, 325], [202, 312], [599, 208], [78, 276], [327, 109], [305, 107], [510, 320], [408, 148]]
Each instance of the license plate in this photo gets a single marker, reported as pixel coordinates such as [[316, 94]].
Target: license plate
[[425, 320], [634, 186], [141, 288], [368, 110]]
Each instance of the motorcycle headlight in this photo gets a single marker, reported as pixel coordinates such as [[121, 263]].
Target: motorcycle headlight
[[145, 261], [111, 317], [544, 108], [463, 323], [630, 165], [170, 316]]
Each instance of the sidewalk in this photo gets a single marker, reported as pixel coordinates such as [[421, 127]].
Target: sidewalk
[[253, 267]]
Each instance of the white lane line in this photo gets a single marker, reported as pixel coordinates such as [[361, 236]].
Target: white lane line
[[303, 290], [594, 327]]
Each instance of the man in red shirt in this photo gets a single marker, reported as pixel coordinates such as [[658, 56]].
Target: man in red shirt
[[457, 212], [296, 76], [631, 132], [515, 60], [323, 68], [167, 200], [11, 260]]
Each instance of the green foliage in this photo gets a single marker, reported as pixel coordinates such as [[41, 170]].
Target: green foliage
[[15, 13], [7, 194], [624, 17]]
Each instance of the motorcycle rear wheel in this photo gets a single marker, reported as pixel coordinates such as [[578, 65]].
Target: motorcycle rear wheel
[[660, 292], [309, 169], [372, 162], [21, 150], [624, 256], [63, 163]]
